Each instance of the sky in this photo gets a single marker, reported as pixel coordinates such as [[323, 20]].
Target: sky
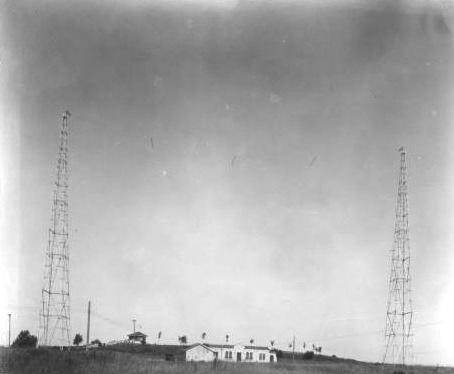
[[233, 167]]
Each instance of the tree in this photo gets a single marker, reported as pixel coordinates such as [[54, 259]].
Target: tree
[[226, 338], [159, 336], [183, 339], [272, 343], [77, 339], [204, 335], [96, 341], [25, 340], [251, 341]]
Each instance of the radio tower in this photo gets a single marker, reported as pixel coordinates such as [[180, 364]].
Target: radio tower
[[398, 331], [54, 327]]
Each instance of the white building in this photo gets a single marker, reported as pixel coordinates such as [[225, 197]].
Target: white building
[[228, 352]]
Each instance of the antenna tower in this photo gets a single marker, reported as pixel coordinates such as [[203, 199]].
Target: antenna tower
[[399, 315], [54, 327]]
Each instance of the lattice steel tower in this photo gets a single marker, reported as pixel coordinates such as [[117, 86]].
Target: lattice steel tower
[[399, 315], [54, 328]]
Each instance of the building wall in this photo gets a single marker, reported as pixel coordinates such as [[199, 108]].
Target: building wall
[[199, 353], [245, 354]]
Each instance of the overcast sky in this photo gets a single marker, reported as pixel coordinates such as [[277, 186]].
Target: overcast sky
[[233, 167]]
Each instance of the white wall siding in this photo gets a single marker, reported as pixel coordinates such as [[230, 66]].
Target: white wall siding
[[247, 355], [233, 353], [199, 353]]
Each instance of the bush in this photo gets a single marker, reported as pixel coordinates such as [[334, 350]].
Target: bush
[[96, 341], [308, 355], [25, 340], [77, 339]]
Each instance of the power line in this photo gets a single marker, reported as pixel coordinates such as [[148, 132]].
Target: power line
[[376, 332], [109, 320]]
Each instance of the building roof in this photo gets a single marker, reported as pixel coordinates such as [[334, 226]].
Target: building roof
[[219, 345], [231, 346], [199, 344], [256, 348], [137, 334]]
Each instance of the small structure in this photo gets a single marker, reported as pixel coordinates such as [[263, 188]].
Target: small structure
[[137, 337], [231, 353]]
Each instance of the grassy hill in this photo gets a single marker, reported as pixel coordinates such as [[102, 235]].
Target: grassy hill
[[146, 361]]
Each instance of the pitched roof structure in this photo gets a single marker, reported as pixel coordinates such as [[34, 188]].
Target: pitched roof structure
[[137, 334], [256, 347], [231, 346], [219, 345], [199, 344]]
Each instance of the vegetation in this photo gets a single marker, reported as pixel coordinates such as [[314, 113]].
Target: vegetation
[[77, 339], [103, 361], [25, 340], [96, 341]]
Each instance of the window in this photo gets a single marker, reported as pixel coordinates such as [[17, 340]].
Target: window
[[226, 354], [261, 356], [230, 354]]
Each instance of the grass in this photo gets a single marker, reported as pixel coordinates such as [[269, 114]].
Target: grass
[[46, 361]]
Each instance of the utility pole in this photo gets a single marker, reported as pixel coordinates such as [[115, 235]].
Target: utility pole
[[399, 314], [9, 329], [55, 323], [88, 325], [134, 326], [293, 346]]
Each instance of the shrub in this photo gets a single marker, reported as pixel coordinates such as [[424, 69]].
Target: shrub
[[308, 355], [96, 341], [77, 339], [25, 340]]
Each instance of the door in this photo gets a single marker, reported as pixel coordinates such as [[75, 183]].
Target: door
[[238, 356], [271, 358]]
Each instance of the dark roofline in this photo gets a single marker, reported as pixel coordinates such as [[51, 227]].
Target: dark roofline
[[219, 345], [256, 347], [137, 333], [230, 346]]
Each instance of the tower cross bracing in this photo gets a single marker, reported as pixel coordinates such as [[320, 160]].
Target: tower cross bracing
[[55, 325], [399, 314]]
